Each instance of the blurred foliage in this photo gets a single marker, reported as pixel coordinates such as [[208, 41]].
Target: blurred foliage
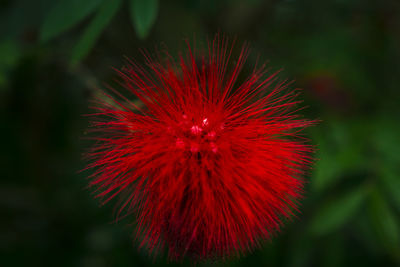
[[345, 54]]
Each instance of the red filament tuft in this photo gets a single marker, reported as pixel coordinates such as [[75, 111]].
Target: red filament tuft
[[209, 165]]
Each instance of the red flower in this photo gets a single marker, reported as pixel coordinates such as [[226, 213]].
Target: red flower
[[210, 166]]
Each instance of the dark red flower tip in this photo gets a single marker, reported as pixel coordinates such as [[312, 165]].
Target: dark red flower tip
[[210, 166]]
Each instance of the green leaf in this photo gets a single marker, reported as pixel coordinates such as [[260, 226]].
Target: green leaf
[[327, 169], [10, 53], [391, 183], [384, 222], [104, 15], [143, 15], [337, 211], [64, 15], [386, 140], [340, 151], [385, 137]]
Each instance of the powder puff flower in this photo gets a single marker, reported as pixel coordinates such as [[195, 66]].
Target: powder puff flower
[[209, 162]]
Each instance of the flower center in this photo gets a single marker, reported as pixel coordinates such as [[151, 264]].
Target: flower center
[[196, 137]]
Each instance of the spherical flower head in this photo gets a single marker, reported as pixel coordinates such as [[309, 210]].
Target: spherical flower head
[[210, 164]]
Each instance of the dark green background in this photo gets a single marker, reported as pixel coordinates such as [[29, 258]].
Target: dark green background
[[344, 53]]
